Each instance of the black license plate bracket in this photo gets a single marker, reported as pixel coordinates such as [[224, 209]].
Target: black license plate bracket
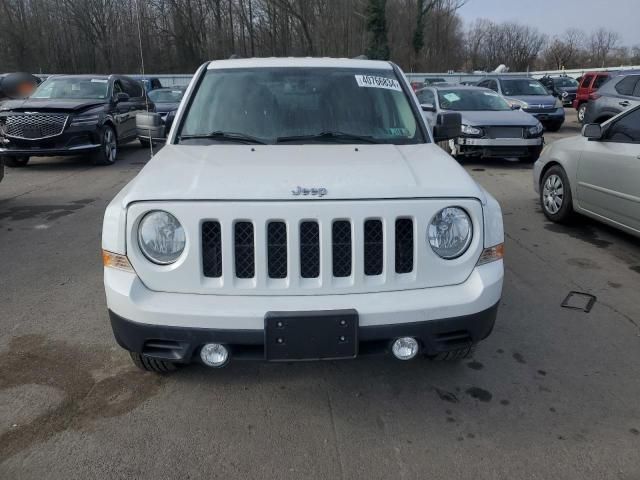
[[314, 335]]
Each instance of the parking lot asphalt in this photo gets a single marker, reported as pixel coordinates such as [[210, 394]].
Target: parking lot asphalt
[[552, 393]]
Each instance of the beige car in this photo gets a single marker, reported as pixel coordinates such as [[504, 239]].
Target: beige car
[[596, 174]]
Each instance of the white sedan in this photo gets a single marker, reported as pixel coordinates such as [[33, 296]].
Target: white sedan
[[596, 174]]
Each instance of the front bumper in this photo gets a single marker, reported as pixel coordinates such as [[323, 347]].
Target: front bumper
[[442, 318], [498, 147], [547, 117], [74, 140]]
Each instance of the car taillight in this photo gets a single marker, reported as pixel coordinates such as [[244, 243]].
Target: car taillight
[[594, 96]]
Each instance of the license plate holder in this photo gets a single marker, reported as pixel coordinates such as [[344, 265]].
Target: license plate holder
[[317, 335]]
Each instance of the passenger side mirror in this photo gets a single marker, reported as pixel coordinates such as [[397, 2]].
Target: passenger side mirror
[[592, 131], [448, 125], [427, 107], [122, 97]]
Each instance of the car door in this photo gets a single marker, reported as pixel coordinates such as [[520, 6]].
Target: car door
[[137, 101], [609, 172], [121, 112], [427, 97]]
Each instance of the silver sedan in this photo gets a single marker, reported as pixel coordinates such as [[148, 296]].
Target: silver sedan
[[596, 174]]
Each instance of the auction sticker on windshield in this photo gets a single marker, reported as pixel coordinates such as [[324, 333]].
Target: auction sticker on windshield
[[372, 81]]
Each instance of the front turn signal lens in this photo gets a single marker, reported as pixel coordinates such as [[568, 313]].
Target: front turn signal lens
[[115, 260], [491, 254]]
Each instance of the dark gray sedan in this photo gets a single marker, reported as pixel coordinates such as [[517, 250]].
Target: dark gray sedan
[[490, 126]]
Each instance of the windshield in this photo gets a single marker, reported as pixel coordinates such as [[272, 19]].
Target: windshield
[[273, 104], [471, 100], [565, 82], [166, 96], [81, 88], [522, 86]]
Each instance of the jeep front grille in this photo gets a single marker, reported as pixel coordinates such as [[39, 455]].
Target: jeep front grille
[[278, 243], [33, 126]]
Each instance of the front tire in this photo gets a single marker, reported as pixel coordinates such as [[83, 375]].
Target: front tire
[[149, 364], [582, 109], [555, 195], [16, 162], [108, 152]]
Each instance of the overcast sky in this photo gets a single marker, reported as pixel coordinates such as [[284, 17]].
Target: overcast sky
[[555, 16]]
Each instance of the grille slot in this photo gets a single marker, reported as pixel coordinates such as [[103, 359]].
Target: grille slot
[[373, 247], [309, 250], [341, 248], [211, 249], [33, 126], [277, 250], [244, 250], [404, 245], [504, 132]]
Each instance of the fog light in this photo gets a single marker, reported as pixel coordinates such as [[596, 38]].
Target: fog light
[[405, 348], [214, 354]]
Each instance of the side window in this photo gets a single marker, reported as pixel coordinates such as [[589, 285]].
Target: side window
[[586, 81], [636, 92], [117, 88], [493, 85], [131, 87], [427, 96], [625, 130], [600, 80]]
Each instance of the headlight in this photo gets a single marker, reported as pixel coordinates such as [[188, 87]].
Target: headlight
[[558, 103], [85, 120], [450, 232], [520, 103], [469, 130], [535, 130], [161, 237]]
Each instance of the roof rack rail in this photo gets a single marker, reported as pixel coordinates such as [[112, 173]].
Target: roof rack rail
[[361, 57], [234, 56]]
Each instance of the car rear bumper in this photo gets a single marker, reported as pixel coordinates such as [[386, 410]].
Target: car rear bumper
[[141, 314]]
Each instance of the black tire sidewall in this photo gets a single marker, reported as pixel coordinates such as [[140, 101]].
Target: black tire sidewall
[[100, 157], [566, 210], [16, 162]]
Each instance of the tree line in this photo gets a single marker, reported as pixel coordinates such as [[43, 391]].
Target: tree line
[[104, 36]]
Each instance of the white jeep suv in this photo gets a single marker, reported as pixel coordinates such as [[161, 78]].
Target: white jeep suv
[[301, 210]]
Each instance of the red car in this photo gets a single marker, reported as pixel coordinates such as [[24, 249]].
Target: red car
[[590, 82]]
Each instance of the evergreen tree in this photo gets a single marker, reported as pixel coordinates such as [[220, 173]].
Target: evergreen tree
[[377, 28]]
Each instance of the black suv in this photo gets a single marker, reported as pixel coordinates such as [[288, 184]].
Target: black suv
[[71, 115], [562, 87]]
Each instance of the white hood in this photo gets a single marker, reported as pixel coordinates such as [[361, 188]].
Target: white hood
[[271, 172]]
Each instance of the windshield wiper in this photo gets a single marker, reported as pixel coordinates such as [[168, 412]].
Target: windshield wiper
[[225, 136], [329, 135]]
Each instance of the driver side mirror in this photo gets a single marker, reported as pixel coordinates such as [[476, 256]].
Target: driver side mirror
[[592, 131], [427, 107], [448, 125], [122, 97]]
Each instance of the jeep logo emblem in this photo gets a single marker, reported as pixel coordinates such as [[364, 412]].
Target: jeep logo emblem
[[315, 192]]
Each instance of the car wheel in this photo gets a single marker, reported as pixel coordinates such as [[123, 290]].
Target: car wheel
[[149, 364], [108, 151], [555, 195], [582, 109], [454, 355], [16, 162]]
